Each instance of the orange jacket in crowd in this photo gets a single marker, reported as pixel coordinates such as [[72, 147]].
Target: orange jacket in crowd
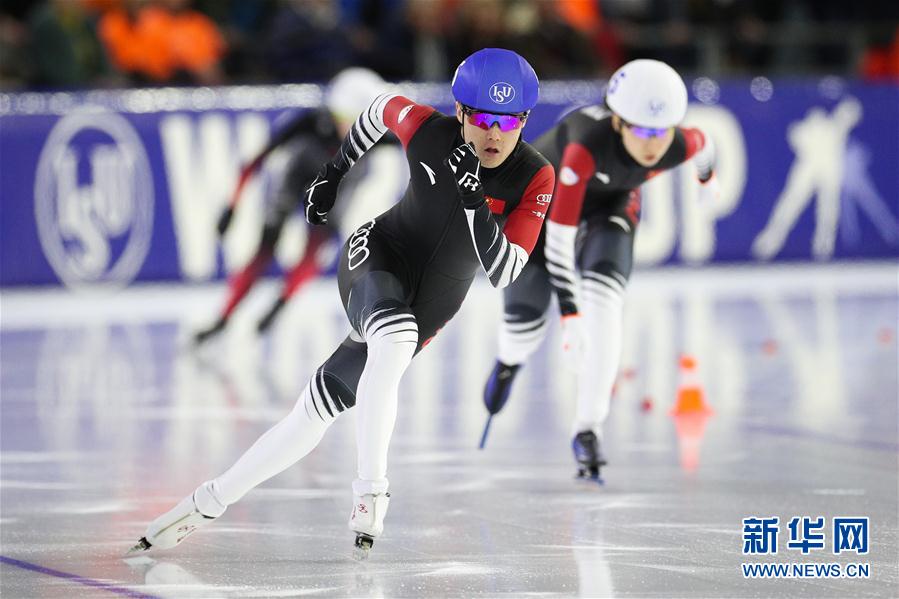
[[158, 43]]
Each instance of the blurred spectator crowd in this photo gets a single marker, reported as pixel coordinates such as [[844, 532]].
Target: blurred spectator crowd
[[66, 44]]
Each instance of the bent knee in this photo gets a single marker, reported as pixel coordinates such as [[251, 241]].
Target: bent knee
[[604, 281], [524, 313], [390, 321], [327, 396]]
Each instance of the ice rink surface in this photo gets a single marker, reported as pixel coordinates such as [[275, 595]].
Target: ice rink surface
[[108, 420]]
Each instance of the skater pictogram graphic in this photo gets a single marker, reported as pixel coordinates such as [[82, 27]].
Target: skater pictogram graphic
[[827, 165]]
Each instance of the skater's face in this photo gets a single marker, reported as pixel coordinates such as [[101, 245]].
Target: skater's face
[[645, 145], [494, 136]]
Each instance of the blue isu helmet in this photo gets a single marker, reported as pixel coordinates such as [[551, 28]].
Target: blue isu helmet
[[496, 80]]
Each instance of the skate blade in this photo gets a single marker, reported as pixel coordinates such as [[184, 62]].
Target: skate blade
[[362, 546], [360, 554], [142, 546], [486, 430], [590, 476], [138, 561]]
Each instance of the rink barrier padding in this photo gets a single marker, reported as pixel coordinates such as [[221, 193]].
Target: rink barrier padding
[[113, 187]]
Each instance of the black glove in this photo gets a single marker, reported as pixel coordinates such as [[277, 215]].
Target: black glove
[[225, 220], [466, 167], [320, 196]]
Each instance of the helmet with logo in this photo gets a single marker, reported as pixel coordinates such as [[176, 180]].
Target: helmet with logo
[[647, 93], [351, 91], [496, 80]]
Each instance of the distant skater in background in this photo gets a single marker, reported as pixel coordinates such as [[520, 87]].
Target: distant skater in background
[[311, 138], [476, 202], [602, 155]]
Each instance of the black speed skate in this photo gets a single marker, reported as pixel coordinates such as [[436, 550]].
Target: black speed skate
[[202, 336], [269, 318], [362, 546], [496, 392], [588, 455], [499, 386]]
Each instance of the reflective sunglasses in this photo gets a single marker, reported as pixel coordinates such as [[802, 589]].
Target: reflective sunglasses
[[647, 132], [485, 120]]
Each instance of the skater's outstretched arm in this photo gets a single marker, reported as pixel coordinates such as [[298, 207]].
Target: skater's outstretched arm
[[387, 111]]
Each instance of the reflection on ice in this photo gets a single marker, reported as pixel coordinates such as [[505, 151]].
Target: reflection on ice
[[108, 418]]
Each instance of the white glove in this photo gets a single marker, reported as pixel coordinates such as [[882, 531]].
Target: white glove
[[709, 192], [574, 341]]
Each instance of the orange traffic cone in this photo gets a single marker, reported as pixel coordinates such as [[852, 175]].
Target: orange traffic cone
[[690, 413], [690, 394]]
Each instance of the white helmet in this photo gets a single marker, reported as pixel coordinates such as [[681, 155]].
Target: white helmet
[[648, 93], [351, 91]]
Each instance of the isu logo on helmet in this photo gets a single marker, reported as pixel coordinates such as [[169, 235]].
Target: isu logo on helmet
[[496, 80], [656, 107], [648, 93], [502, 93]]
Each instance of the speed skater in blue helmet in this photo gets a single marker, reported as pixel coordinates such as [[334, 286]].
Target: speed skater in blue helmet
[[495, 89]]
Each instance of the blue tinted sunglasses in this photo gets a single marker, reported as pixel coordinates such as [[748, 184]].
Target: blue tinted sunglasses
[[485, 120], [647, 132]]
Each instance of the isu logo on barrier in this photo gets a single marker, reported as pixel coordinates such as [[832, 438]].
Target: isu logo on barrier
[[93, 200]]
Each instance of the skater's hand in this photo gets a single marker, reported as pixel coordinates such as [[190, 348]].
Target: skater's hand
[[224, 220], [574, 340], [709, 191], [466, 168], [320, 196]]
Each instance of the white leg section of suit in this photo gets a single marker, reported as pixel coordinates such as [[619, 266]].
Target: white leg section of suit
[[602, 309], [280, 447], [391, 345], [518, 340], [277, 449]]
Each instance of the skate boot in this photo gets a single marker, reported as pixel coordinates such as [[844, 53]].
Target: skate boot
[[269, 318], [202, 336], [588, 455], [496, 393], [499, 386], [367, 521], [178, 523]]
